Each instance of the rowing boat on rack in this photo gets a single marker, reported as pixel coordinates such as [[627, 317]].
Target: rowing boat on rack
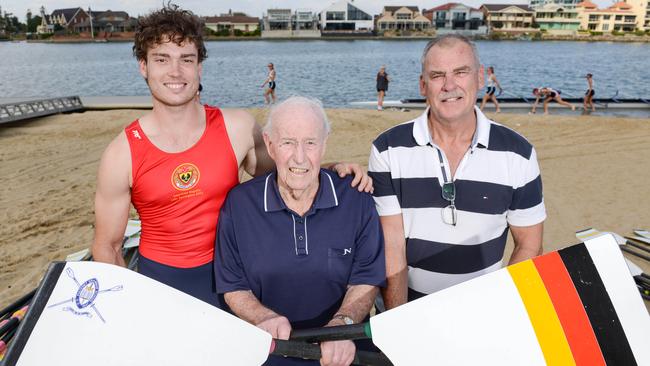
[[518, 103]]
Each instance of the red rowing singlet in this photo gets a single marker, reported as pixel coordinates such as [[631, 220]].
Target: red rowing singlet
[[178, 195]]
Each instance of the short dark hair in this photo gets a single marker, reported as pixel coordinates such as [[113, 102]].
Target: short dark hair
[[169, 24]]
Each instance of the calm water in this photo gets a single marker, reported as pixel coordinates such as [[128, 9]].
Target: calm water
[[337, 72]]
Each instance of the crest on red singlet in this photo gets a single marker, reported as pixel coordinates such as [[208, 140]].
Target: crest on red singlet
[[185, 176]]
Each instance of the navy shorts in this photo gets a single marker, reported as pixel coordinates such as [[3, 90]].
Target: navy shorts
[[490, 90], [590, 93], [195, 281], [272, 85]]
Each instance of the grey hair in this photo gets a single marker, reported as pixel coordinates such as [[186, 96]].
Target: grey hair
[[447, 40], [312, 103]]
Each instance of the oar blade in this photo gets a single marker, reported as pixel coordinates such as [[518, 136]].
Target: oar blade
[[160, 325], [577, 306]]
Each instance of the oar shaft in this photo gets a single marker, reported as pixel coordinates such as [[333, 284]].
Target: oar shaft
[[311, 351], [17, 304], [642, 256], [639, 246], [337, 333], [9, 325]]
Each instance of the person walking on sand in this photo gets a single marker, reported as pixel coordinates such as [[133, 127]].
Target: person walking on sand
[[589, 94], [492, 85], [382, 87], [548, 94], [269, 93]]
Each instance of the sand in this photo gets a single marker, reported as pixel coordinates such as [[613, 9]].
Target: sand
[[594, 170]]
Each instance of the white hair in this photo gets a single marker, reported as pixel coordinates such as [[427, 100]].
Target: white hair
[[298, 101]]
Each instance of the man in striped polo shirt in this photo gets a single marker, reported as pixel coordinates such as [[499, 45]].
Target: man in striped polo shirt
[[451, 183]]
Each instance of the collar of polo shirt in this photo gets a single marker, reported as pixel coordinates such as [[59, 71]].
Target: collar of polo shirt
[[325, 197], [481, 136]]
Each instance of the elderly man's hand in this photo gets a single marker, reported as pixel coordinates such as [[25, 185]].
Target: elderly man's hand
[[361, 180], [278, 326], [337, 353]]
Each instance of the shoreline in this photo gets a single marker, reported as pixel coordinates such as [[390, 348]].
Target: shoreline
[[545, 38]]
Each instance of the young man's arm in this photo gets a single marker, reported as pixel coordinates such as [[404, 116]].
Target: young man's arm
[[112, 202], [396, 291]]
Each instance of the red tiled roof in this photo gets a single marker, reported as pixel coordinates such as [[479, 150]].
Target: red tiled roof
[[587, 5], [621, 5]]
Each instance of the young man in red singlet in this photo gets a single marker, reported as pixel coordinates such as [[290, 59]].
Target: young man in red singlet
[[177, 163]]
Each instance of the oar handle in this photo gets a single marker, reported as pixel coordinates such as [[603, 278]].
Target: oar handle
[[336, 333], [311, 351]]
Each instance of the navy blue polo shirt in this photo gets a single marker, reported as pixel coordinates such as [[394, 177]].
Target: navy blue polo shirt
[[299, 266]]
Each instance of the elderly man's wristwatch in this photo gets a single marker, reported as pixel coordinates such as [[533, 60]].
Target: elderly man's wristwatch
[[346, 319]]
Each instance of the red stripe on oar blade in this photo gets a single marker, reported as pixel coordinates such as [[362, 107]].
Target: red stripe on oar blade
[[570, 310]]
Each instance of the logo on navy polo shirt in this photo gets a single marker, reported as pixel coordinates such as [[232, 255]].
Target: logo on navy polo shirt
[[185, 176]]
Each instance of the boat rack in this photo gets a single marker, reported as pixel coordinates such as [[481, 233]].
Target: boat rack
[[12, 112]]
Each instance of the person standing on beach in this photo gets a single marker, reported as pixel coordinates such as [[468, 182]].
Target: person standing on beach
[[177, 163], [269, 93], [548, 94], [382, 87], [450, 184], [492, 85], [277, 262], [589, 94]]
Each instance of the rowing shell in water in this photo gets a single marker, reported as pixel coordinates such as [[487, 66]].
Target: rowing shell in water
[[576, 306]]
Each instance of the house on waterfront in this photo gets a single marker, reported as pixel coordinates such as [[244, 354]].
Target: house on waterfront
[[68, 18], [619, 17], [107, 22], [641, 9], [344, 17], [232, 21], [456, 18], [508, 18], [46, 27], [558, 20], [282, 23], [565, 4], [402, 18]]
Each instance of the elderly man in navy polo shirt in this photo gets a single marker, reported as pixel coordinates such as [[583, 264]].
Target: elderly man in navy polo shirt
[[299, 248]]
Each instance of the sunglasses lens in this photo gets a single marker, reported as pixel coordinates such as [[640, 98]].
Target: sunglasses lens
[[449, 191], [449, 215]]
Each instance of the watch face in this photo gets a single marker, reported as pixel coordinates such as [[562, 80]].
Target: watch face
[[346, 319]]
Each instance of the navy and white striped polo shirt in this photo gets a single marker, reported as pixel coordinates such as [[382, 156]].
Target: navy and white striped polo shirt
[[497, 182]]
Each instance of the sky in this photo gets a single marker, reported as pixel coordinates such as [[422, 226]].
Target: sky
[[212, 7]]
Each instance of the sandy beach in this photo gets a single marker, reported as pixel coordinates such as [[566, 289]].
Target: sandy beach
[[594, 170]]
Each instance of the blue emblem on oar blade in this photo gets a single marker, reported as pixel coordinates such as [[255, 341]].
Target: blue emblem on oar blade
[[85, 297], [87, 293]]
